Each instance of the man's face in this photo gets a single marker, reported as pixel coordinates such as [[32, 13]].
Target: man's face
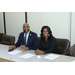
[[26, 28]]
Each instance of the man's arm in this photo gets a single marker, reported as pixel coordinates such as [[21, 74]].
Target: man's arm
[[18, 42], [35, 43]]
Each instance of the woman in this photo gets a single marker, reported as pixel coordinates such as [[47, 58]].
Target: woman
[[48, 42]]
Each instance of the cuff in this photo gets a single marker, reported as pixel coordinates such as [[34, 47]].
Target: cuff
[[15, 46], [27, 48]]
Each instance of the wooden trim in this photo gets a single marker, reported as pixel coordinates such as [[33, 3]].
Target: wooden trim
[[7, 60], [26, 16], [4, 22]]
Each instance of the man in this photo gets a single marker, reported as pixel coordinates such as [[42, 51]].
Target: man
[[28, 39]]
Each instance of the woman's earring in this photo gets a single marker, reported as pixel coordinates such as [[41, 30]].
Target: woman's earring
[[48, 34]]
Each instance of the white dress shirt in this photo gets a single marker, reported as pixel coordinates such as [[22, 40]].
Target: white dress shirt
[[26, 37]]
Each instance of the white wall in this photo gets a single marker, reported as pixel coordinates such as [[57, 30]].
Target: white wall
[[73, 29], [1, 23], [59, 22], [14, 23], [35, 20]]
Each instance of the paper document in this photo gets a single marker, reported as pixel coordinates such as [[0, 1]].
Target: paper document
[[51, 56], [14, 52], [28, 55]]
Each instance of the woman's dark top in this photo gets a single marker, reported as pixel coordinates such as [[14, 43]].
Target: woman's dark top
[[49, 46]]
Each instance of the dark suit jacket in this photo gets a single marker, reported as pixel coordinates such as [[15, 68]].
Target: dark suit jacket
[[49, 46], [32, 42]]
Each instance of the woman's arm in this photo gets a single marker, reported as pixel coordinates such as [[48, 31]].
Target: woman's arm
[[38, 51]]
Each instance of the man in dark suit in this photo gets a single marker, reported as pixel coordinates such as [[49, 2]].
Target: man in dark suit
[[28, 39]]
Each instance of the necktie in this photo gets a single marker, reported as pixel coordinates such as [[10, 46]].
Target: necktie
[[25, 39]]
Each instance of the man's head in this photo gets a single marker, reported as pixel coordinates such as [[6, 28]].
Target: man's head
[[26, 27]]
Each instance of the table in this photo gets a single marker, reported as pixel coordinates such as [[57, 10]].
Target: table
[[16, 58]]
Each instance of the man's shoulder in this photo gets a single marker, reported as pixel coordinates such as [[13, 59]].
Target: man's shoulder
[[21, 33], [33, 33]]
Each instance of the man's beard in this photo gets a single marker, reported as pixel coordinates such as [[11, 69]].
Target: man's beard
[[25, 31]]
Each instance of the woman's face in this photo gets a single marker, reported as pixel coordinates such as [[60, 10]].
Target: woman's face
[[45, 32]]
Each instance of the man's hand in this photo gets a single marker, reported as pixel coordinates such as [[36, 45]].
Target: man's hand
[[11, 47], [38, 52], [24, 47]]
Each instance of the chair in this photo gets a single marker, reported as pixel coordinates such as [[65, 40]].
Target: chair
[[72, 50], [1, 35], [8, 40], [39, 40], [63, 45]]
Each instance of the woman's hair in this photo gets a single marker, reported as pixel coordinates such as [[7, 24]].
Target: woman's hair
[[49, 31]]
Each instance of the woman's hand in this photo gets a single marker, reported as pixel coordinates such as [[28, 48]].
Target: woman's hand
[[38, 52]]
